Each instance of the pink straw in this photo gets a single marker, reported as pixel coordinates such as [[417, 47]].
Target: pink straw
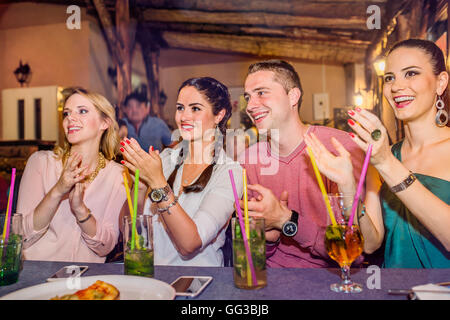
[[241, 223], [360, 184], [11, 197]]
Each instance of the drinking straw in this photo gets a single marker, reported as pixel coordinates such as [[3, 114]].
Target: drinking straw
[[241, 224], [321, 186], [127, 189], [362, 177], [9, 206], [327, 201], [247, 226], [244, 179], [133, 227]]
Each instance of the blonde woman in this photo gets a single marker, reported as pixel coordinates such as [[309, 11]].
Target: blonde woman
[[71, 197]]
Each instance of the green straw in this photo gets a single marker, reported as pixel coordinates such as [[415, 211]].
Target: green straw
[[133, 227]]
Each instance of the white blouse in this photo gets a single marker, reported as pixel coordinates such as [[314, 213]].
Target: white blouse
[[210, 210]]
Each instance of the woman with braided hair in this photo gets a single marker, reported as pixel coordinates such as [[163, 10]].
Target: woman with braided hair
[[189, 192]]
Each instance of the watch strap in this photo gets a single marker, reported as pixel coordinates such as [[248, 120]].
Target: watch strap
[[294, 216]]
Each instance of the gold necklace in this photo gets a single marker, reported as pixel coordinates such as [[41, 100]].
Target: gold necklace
[[100, 165]]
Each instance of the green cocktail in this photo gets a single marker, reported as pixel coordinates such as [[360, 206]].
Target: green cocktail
[[10, 259], [139, 262], [257, 245], [138, 256]]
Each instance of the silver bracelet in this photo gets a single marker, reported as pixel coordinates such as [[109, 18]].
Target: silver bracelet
[[162, 210]]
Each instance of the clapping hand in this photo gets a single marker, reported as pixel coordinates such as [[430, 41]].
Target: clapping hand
[[336, 168], [72, 174], [266, 205], [76, 200], [149, 164]]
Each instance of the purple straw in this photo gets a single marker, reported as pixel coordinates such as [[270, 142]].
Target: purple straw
[[241, 223], [11, 197], [360, 184]]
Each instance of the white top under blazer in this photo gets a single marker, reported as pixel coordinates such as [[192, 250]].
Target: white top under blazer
[[210, 210]]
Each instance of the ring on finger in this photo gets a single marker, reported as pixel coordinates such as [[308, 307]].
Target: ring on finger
[[376, 134]]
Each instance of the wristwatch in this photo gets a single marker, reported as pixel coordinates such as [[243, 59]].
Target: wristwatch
[[160, 194], [290, 227]]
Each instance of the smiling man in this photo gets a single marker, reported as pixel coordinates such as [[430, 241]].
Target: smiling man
[[289, 199]]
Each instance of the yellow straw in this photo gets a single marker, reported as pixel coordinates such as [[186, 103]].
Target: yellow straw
[[127, 189], [130, 204], [247, 225], [321, 186]]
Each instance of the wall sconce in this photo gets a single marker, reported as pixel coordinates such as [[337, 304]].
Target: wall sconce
[[359, 99], [379, 65], [23, 73]]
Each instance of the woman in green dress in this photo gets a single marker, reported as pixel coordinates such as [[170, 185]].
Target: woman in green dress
[[407, 197]]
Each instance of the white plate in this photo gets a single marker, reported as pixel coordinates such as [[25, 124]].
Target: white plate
[[130, 288]]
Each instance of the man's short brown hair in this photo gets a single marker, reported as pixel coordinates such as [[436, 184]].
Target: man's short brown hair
[[285, 74]]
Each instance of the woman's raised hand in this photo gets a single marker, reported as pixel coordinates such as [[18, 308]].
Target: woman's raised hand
[[149, 164], [370, 130], [76, 202], [336, 168], [72, 173]]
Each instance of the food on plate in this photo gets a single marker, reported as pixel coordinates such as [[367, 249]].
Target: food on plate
[[100, 290]]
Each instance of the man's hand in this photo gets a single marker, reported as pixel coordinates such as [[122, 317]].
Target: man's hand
[[266, 205]]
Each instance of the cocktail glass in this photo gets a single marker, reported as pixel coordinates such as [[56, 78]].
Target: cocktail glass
[[11, 250], [138, 259], [344, 243], [257, 245]]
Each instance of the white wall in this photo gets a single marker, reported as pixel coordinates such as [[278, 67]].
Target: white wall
[[49, 115]]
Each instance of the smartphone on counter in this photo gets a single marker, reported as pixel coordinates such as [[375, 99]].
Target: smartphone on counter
[[68, 272], [190, 286]]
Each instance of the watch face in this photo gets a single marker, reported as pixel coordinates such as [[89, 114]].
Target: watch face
[[156, 195], [289, 229]]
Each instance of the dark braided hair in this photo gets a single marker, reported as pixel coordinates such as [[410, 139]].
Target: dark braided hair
[[218, 96]]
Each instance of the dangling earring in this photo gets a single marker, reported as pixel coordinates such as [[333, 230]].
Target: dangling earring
[[441, 115]]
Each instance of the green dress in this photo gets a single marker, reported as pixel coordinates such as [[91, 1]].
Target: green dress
[[408, 244]]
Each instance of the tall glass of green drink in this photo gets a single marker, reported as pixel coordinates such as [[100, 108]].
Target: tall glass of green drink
[[138, 254], [11, 250]]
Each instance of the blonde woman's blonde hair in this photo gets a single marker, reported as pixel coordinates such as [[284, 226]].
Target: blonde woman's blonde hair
[[110, 138]]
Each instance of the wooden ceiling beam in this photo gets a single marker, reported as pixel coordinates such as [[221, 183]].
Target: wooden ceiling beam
[[254, 19], [288, 32], [266, 47], [328, 9]]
